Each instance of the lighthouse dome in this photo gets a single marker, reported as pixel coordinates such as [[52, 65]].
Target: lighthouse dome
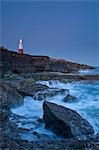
[[20, 40]]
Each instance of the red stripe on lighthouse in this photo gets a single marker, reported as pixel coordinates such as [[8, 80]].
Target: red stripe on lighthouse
[[21, 51]]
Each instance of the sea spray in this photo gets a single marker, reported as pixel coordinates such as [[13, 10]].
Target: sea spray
[[87, 105], [87, 94], [30, 121]]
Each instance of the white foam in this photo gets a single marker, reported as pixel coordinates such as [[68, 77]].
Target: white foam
[[31, 111], [88, 99], [87, 106], [30, 108], [89, 71]]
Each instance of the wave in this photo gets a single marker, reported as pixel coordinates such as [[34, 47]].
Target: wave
[[87, 105]]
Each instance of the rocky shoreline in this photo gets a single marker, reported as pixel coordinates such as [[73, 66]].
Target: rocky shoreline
[[15, 85]]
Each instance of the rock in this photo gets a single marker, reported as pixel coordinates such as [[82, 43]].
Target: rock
[[49, 93], [64, 121], [42, 136], [30, 90], [95, 138], [4, 115], [70, 98], [9, 96], [71, 144], [23, 84], [4, 103]]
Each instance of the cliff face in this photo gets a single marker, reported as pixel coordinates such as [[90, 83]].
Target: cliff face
[[12, 61]]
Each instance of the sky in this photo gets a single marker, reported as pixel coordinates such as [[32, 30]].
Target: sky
[[59, 29]]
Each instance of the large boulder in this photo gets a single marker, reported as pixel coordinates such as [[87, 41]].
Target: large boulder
[[9, 96], [64, 121]]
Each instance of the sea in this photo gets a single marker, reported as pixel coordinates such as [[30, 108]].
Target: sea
[[89, 71], [87, 105]]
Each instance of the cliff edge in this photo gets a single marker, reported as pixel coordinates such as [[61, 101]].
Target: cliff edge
[[13, 61]]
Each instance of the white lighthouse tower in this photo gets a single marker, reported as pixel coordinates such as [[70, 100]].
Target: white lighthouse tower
[[20, 47]]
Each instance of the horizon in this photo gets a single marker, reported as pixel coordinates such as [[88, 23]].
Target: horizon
[[60, 30]]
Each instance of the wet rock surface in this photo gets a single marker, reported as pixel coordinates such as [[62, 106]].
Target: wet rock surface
[[43, 137], [49, 93], [31, 90], [65, 122], [70, 98]]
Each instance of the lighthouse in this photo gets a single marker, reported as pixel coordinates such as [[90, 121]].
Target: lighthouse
[[20, 47]]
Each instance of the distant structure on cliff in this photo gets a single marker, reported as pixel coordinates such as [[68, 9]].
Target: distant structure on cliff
[[20, 47]]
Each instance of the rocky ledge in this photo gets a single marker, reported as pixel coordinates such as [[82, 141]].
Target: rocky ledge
[[12, 61]]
